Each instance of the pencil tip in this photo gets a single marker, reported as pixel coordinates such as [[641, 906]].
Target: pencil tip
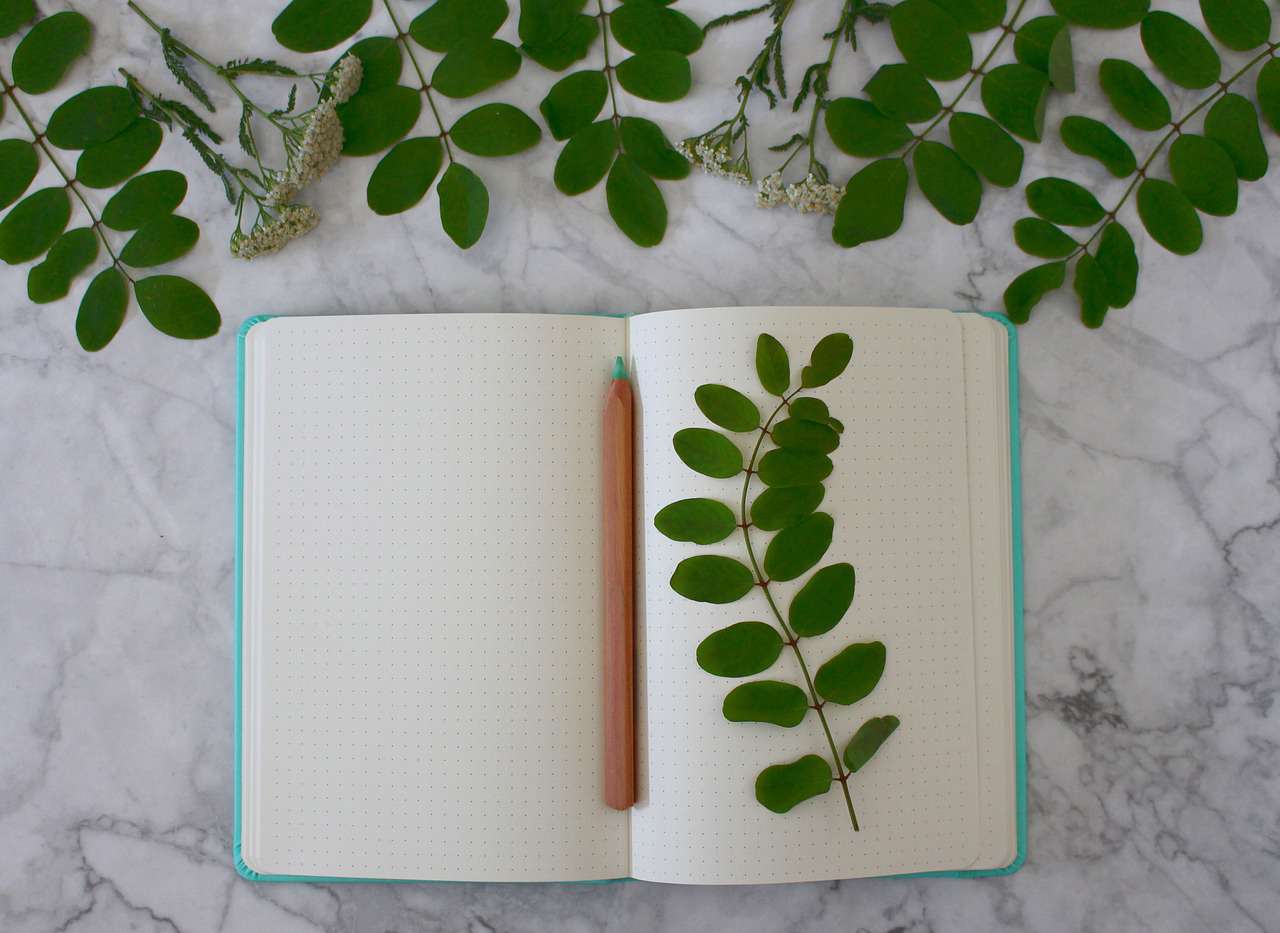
[[619, 368]]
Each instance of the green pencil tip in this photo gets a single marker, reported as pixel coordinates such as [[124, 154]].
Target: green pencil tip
[[619, 368]]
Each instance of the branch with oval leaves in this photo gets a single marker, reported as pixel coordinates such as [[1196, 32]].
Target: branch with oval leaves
[[790, 453], [1204, 168], [626, 152], [104, 125]]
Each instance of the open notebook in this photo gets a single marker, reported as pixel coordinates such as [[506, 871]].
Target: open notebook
[[419, 602]]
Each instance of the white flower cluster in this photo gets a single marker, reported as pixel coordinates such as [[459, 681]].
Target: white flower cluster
[[322, 140], [808, 197], [293, 221], [714, 160], [347, 81]]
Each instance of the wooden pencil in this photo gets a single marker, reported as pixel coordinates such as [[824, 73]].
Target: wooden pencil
[[619, 594]]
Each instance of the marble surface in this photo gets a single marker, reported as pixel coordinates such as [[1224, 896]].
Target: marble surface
[[1152, 540]]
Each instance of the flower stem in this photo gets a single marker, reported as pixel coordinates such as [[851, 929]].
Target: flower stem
[[424, 85], [70, 182], [791, 639]]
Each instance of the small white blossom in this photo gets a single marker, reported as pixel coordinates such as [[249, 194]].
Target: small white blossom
[[811, 196], [320, 150], [769, 191], [293, 221], [347, 82], [715, 161]]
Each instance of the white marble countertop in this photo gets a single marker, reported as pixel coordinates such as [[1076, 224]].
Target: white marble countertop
[[1152, 503]]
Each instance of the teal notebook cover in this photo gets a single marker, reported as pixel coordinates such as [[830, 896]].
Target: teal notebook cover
[[1018, 637]]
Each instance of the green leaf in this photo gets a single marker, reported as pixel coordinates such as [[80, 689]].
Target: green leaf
[[464, 205], [47, 51], [645, 142], [1064, 202], [796, 549], [445, 23], [475, 65], [858, 128], [823, 601], [1268, 88], [783, 506], [851, 674], [809, 409], [373, 120], [70, 255], [404, 175], [1119, 263], [1169, 217], [316, 25], [1088, 137], [381, 60], [586, 158], [544, 21], [495, 130], [32, 226], [771, 701], [1016, 96], [1025, 292], [658, 75], [18, 166], [1103, 14], [1038, 237], [873, 203], [160, 241], [573, 102], [711, 578], [1091, 288], [784, 467], [1133, 94], [90, 117], [901, 92], [828, 360], [867, 741], [811, 436], [102, 309], [1180, 50], [1044, 43], [643, 26], [727, 407], [951, 186], [836, 424], [931, 39], [569, 47], [702, 521], [107, 164], [708, 452], [742, 649], [177, 307], [635, 203], [982, 143], [145, 198], [781, 787], [13, 14], [1238, 24], [1205, 173], [772, 365], [1233, 124], [975, 15]]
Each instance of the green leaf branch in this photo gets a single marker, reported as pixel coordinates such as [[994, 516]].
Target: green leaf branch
[[792, 468]]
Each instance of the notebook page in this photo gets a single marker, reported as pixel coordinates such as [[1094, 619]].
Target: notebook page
[[899, 495], [422, 626]]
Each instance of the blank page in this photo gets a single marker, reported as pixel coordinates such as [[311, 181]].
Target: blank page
[[899, 494], [421, 627]]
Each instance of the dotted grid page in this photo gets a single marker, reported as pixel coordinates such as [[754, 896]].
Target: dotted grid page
[[987, 414], [899, 496], [422, 634]]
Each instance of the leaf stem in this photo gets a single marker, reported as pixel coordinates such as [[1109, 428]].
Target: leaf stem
[[403, 38], [608, 74], [1175, 128], [792, 640], [70, 183]]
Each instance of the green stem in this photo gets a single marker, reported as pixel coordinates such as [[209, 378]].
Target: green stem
[[819, 100], [816, 703], [70, 182], [1006, 30], [1175, 128], [403, 38], [608, 73]]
